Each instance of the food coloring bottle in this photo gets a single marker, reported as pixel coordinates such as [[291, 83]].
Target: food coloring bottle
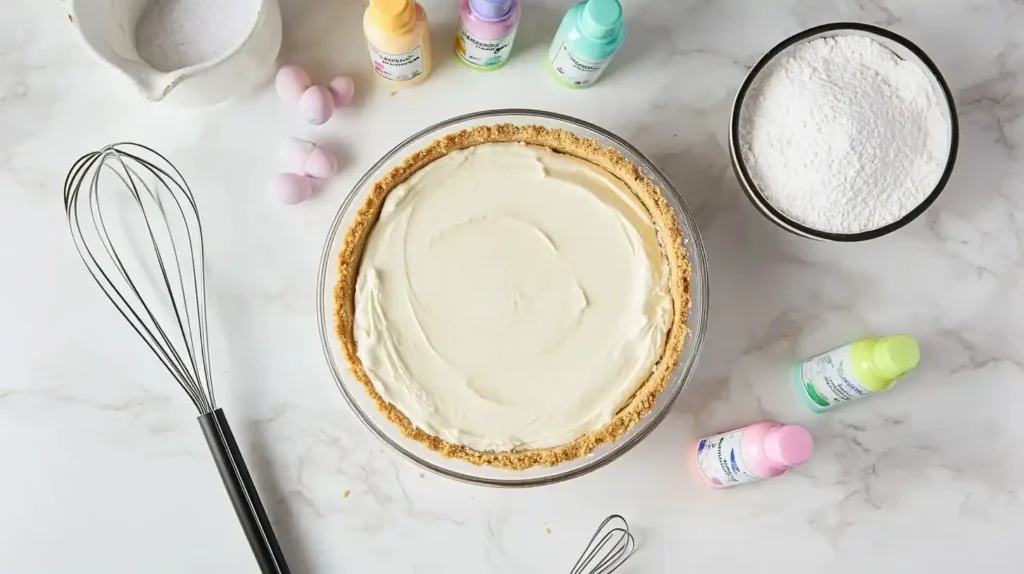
[[399, 41], [591, 33], [854, 371], [487, 29], [755, 452]]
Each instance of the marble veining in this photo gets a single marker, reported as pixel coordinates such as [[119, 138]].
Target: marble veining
[[103, 470]]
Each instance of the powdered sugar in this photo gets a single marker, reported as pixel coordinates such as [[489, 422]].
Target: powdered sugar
[[174, 34], [842, 135]]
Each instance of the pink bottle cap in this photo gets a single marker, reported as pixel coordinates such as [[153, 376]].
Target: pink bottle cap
[[788, 445]]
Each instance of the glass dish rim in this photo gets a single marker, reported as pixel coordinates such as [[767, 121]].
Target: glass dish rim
[[697, 255]]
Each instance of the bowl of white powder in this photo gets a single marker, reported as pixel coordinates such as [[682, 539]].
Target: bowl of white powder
[[843, 132], [183, 52]]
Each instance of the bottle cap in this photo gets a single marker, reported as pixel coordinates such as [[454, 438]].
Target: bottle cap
[[601, 18], [896, 356], [788, 445], [393, 16], [490, 10]]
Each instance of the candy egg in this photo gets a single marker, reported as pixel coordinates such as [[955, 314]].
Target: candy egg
[[316, 105], [320, 164], [291, 82], [342, 89], [291, 188], [295, 153]]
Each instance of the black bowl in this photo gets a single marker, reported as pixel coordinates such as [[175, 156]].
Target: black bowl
[[900, 46]]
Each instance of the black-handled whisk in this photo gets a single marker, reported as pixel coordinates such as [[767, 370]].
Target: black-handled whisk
[[135, 224]]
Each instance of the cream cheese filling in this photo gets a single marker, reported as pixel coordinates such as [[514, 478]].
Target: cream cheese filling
[[511, 298]]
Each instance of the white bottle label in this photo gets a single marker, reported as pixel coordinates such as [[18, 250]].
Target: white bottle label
[[397, 67], [576, 70], [483, 53], [721, 461], [828, 379]]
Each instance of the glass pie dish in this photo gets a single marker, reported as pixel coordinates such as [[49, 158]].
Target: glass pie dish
[[365, 408]]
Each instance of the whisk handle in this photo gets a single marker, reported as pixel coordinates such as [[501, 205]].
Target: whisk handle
[[243, 493]]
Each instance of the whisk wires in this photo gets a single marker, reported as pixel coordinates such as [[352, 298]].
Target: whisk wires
[[608, 548], [162, 210]]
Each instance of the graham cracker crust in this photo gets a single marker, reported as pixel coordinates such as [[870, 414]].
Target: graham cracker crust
[[560, 141]]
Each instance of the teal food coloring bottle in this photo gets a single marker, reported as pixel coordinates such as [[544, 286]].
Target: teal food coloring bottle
[[590, 34]]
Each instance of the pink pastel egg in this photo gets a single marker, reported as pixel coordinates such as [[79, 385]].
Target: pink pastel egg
[[291, 188], [316, 105], [342, 89], [320, 164], [291, 82], [295, 153]]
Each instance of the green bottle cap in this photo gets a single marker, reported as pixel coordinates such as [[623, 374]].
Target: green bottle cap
[[895, 356], [601, 18]]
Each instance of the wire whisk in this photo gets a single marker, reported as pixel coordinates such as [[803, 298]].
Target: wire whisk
[[134, 221], [167, 208], [608, 549]]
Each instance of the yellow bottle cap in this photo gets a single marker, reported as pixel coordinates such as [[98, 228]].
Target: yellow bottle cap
[[394, 16], [895, 356]]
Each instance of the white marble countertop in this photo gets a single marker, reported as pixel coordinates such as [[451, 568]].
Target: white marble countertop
[[104, 469]]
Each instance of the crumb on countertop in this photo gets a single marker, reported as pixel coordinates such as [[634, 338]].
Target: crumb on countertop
[[347, 492], [547, 530]]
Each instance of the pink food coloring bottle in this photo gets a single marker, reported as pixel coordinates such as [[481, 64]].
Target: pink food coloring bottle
[[755, 452]]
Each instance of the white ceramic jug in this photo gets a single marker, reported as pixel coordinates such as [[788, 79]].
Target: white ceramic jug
[[108, 29]]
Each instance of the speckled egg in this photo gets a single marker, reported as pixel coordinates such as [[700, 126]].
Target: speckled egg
[[295, 152], [316, 105], [342, 89], [291, 82], [320, 163]]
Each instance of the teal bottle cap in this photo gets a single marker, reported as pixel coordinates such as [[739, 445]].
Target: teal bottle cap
[[601, 18], [895, 356]]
